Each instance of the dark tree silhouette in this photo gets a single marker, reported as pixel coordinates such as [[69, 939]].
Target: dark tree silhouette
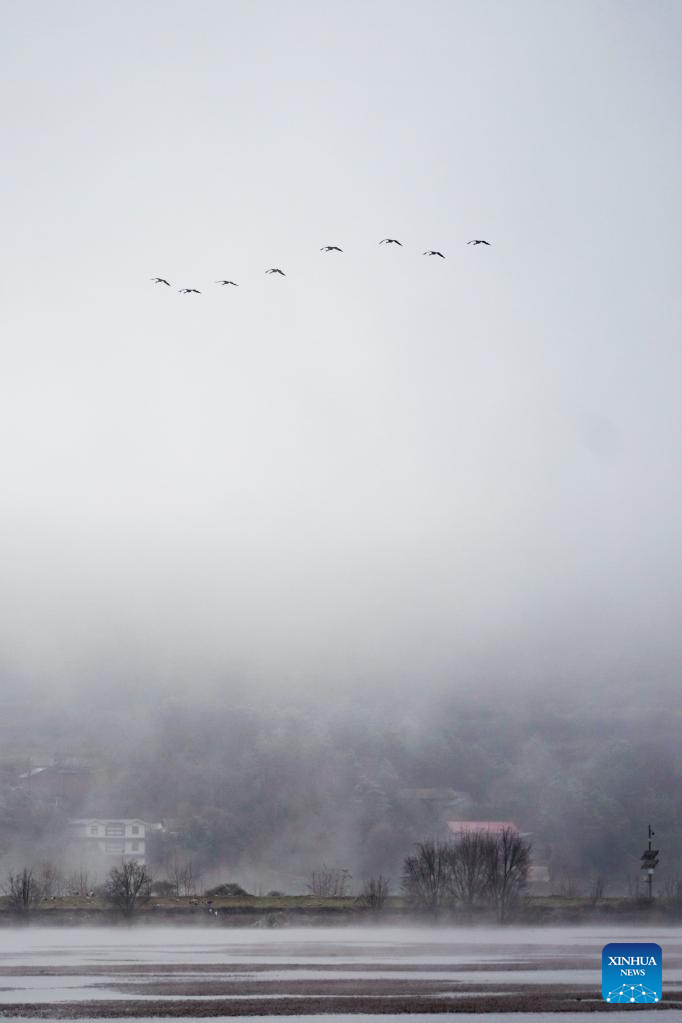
[[330, 882], [471, 859], [374, 893], [128, 887], [22, 891], [509, 863], [426, 876]]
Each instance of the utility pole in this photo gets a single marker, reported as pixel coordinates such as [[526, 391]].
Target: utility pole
[[649, 860]]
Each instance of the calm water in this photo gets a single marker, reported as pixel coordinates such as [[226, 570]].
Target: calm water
[[44, 966]]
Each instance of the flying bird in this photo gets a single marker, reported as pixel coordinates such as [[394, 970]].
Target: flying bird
[[478, 241], [330, 248], [188, 291], [233, 283], [390, 241], [434, 252], [276, 270], [160, 280]]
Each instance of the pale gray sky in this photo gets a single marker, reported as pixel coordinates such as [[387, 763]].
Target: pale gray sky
[[383, 464]]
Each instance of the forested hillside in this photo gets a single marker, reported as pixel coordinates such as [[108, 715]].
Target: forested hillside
[[266, 793]]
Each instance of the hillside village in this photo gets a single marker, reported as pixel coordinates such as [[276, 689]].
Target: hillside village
[[85, 848], [262, 800], [82, 850]]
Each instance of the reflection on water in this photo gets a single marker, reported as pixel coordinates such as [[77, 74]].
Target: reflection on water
[[42, 966]]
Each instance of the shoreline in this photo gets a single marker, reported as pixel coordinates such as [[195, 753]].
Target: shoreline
[[296, 910]]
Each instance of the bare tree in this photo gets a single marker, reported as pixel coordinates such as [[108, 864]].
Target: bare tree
[[78, 883], [374, 893], [183, 877], [426, 876], [567, 886], [23, 892], [509, 863], [50, 879], [470, 868], [671, 889], [634, 883], [330, 882], [128, 887], [597, 889]]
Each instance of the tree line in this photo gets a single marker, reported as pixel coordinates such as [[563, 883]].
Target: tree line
[[127, 888], [479, 870]]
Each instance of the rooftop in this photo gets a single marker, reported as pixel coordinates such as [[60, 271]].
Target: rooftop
[[490, 827]]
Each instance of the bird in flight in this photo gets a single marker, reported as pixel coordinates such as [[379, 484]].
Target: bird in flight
[[233, 283], [330, 248], [276, 270], [434, 252], [478, 241], [188, 291], [160, 280], [390, 241]]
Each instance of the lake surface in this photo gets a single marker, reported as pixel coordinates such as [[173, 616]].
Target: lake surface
[[337, 973]]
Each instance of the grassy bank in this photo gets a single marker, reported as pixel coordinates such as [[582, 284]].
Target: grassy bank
[[291, 909]]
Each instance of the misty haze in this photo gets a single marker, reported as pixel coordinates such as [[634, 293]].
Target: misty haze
[[340, 504], [336, 972]]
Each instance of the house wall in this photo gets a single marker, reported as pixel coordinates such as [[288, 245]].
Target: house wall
[[101, 844]]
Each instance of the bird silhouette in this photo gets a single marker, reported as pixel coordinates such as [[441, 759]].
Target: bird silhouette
[[434, 252], [330, 248], [233, 283], [189, 291], [276, 270], [390, 241], [478, 241], [160, 280]]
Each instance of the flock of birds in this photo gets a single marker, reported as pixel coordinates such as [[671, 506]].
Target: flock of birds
[[325, 248]]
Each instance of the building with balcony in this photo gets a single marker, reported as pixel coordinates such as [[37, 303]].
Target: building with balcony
[[99, 844]]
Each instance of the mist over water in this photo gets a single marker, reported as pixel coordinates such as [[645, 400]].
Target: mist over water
[[149, 965]]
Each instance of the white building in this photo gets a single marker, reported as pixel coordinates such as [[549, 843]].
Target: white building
[[102, 844]]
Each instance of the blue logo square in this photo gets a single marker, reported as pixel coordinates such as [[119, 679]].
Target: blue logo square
[[632, 972]]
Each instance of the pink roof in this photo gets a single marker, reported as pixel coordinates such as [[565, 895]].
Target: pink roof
[[466, 827]]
